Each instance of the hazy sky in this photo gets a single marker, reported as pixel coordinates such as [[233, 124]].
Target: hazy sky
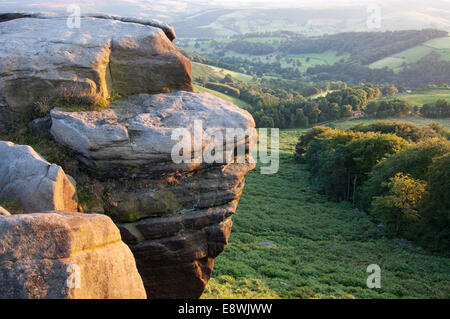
[[176, 5]]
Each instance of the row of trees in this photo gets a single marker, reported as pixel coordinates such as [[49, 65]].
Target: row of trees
[[387, 108], [253, 48], [401, 178], [273, 106], [440, 109], [430, 69], [364, 47]]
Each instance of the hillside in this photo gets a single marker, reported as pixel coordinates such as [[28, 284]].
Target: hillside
[[322, 248], [423, 96], [414, 58], [398, 61], [201, 70], [309, 17], [300, 61]]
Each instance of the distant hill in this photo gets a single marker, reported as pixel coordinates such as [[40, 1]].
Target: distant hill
[[399, 61], [313, 19], [294, 53]]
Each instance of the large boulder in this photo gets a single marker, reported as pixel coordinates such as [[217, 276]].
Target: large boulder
[[136, 132], [43, 60], [176, 217], [37, 185], [65, 255]]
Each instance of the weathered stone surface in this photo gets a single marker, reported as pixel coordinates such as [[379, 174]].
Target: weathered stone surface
[[175, 217], [175, 254], [135, 132], [4, 212], [45, 59], [167, 28], [65, 255], [27, 178]]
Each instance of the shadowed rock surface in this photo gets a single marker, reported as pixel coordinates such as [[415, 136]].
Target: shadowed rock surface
[[27, 178], [65, 255]]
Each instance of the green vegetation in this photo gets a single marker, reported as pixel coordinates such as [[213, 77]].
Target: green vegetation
[[398, 61], [339, 161], [281, 103], [418, 57], [225, 97], [299, 61], [423, 96], [388, 108], [323, 247], [375, 167], [420, 121], [439, 109], [406, 130], [11, 207], [215, 73]]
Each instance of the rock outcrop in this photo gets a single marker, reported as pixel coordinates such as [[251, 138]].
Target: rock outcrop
[[37, 185], [42, 59], [175, 217], [65, 255], [135, 133]]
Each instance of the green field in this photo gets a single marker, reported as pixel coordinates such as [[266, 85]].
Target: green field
[[206, 47], [225, 97], [199, 69], [423, 96], [397, 61], [323, 248], [418, 120]]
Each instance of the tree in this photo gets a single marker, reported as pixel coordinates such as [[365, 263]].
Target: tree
[[266, 122], [402, 201], [436, 211], [346, 111]]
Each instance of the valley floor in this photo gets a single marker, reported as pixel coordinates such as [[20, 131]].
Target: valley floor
[[322, 248]]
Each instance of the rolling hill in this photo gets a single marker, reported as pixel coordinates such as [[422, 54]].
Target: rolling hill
[[398, 61]]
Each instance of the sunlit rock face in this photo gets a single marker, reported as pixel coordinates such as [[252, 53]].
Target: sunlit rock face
[[175, 217], [42, 58], [63, 255]]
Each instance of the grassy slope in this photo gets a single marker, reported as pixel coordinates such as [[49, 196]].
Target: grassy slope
[[412, 55], [236, 101], [323, 248], [422, 96], [199, 69]]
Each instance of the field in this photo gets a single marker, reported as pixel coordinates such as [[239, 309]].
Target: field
[[423, 96], [418, 120], [234, 100], [322, 248], [397, 61], [199, 70], [206, 47]]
